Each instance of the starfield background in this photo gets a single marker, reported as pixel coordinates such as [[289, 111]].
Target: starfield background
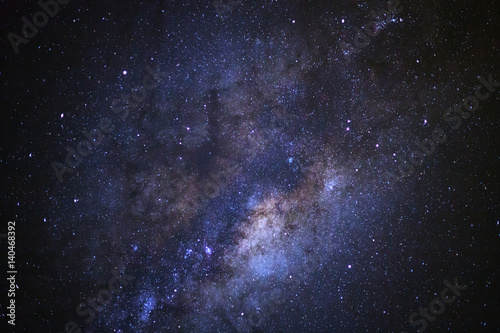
[[251, 166]]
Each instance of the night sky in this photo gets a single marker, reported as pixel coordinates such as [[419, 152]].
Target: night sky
[[251, 166]]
